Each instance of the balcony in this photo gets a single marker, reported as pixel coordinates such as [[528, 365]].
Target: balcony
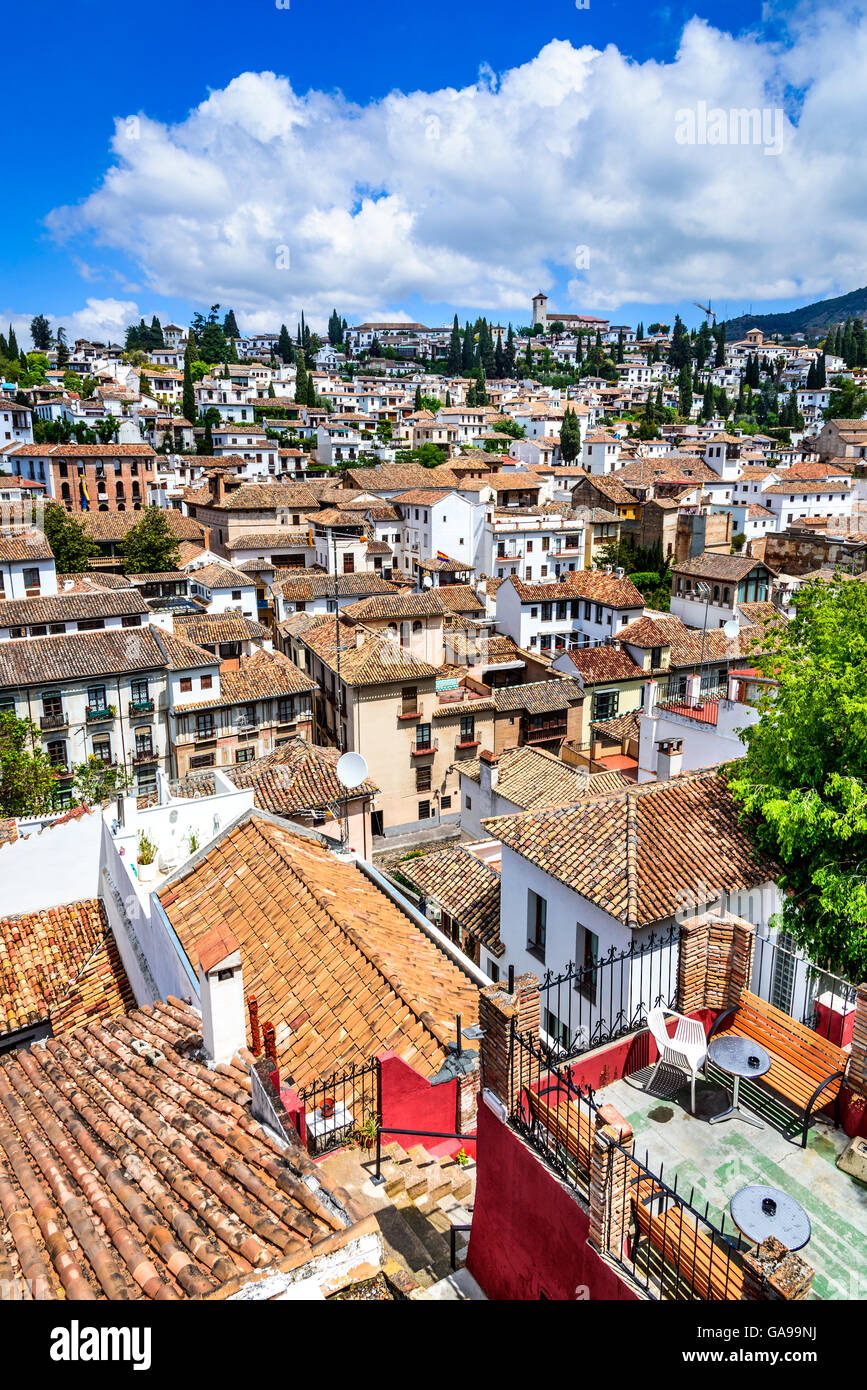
[[54, 721], [408, 714], [139, 707], [545, 733], [99, 714], [144, 755], [703, 711], [420, 750], [461, 744]]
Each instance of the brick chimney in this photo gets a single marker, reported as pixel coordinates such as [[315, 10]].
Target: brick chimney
[[221, 986], [218, 491], [489, 771]]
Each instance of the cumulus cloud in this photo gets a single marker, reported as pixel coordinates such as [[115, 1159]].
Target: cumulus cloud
[[271, 201], [101, 320]]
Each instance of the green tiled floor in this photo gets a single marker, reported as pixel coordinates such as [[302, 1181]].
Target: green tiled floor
[[717, 1160]]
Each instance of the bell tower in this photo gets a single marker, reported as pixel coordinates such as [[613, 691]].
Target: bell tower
[[540, 309]]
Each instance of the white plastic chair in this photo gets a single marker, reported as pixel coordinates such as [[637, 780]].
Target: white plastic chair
[[687, 1049]]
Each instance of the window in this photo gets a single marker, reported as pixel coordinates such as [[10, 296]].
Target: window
[[31, 581], [96, 697], [599, 613], [468, 728], [91, 624], [546, 612], [202, 760], [445, 803], [468, 802], [587, 952], [605, 704], [186, 683], [537, 917], [423, 737], [56, 750], [206, 682], [102, 749], [424, 810], [422, 779], [245, 755], [587, 611], [131, 620], [205, 725], [493, 971]]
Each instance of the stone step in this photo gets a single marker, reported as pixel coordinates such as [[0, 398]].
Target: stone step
[[416, 1184], [420, 1157], [438, 1187], [395, 1153], [462, 1188], [456, 1286]]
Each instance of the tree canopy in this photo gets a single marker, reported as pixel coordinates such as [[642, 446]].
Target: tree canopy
[[149, 547], [70, 544], [27, 780], [803, 783]]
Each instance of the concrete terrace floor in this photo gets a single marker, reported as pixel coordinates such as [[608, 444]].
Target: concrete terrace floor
[[718, 1160]]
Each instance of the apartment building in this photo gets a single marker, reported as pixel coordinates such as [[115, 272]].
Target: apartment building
[[582, 608], [92, 477]]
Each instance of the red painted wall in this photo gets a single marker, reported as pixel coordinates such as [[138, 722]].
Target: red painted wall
[[408, 1099], [529, 1236]]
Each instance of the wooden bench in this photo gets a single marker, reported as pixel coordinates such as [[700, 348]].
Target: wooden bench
[[567, 1121], [806, 1069], [711, 1268]]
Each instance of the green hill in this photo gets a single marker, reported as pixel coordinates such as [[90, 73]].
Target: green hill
[[812, 319]]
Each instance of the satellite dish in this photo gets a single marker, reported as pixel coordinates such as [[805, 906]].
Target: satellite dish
[[731, 629], [351, 770], [426, 582]]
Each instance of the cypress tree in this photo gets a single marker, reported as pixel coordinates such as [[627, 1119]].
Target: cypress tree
[[684, 389], [499, 359], [12, 344], [189, 395], [468, 350], [448, 398], [453, 362], [284, 345], [639, 332], [416, 405], [849, 345], [821, 373], [509, 363], [311, 390], [300, 381]]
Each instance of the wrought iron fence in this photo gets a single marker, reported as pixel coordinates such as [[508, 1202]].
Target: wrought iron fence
[[554, 1115], [671, 1247], [344, 1108], [809, 994], [588, 1005]]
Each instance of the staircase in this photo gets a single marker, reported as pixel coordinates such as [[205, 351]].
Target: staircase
[[428, 1195]]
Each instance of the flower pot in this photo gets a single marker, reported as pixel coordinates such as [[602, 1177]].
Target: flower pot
[[147, 872], [327, 1108]]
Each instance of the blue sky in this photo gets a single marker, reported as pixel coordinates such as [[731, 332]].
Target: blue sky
[[550, 141]]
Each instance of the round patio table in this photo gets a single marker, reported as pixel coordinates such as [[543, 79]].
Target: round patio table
[[740, 1057], [760, 1211]]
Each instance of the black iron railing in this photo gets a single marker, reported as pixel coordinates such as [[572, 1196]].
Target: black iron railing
[[806, 992], [588, 1005], [556, 1116], [344, 1108], [671, 1246]]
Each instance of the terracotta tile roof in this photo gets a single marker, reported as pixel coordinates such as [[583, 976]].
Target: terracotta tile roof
[[622, 726], [595, 585], [458, 598], [388, 477], [421, 497], [611, 488], [634, 853], [333, 962], [464, 887], [295, 777], [8, 831], [69, 607], [531, 778], [687, 647], [712, 566], [806, 489], [597, 664], [25, 545], [218, 577], [261, 497], [203, 629], [113, 526], [67, 656], [378, 660], [83, 451], [539, 697], [60, 965], [260, 676], [181, 653], [271, 540], [394, 605], [301, 586], [136, 1172]]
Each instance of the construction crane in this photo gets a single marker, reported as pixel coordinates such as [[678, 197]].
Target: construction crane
[[705, 309]]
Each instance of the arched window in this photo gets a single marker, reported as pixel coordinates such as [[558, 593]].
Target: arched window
[[716, 593], [417, 626]]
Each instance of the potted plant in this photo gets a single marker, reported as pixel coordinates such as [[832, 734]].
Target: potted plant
[[147, 855], [327, 1107], [365, 1133]]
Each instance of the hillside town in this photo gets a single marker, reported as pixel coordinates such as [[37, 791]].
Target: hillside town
[[394, 888]]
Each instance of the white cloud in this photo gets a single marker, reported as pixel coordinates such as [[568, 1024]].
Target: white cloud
[[480, 196], [99, 320]]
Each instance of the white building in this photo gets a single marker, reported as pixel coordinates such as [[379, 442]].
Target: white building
[[580, 609]]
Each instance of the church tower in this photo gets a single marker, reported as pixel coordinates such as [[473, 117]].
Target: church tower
[[540, 309]]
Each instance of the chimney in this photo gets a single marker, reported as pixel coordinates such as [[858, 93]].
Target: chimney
[[219, 491], [649, 696], [489, 771], [669, 758], [222, 994]]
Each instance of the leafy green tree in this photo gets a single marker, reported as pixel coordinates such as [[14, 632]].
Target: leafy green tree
[[94, 781], [509, 362], [149, 547], [848, 401], [27, 779], [62, 349], [802, 785], [70, 544], [40, 332], [230, 325]]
